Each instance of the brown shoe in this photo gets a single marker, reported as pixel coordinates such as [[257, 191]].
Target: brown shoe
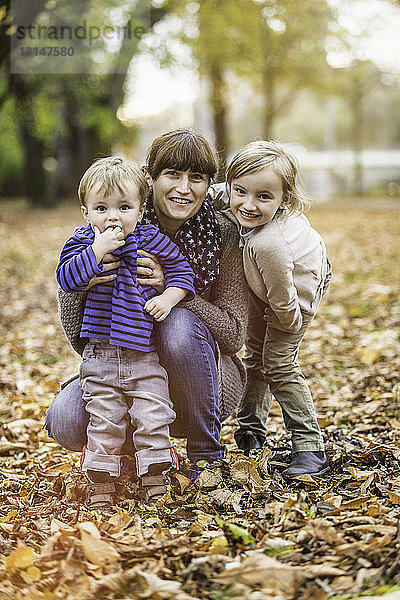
[[154, 488], [100, 496]]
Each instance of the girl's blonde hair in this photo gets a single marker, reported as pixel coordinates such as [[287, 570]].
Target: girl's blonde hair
[[113, 174], [262, 154]]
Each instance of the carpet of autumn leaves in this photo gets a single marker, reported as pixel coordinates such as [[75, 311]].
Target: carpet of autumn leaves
[[241, 532]]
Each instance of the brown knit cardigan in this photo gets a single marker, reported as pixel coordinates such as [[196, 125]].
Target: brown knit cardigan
[[223, 309]]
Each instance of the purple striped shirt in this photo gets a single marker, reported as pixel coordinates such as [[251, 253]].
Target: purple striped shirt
[[114, 310]]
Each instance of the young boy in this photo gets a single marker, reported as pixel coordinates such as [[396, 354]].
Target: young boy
[[120, 375]]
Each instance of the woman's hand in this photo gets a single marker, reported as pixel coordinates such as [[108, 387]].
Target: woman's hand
[[109, 263], [150, 271]]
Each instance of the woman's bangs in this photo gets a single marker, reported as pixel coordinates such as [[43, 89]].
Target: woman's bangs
[[188, 156]]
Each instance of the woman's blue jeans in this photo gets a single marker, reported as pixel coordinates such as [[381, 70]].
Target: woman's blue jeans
[[187, 352]]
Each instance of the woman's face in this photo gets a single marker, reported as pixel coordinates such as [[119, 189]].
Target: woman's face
[[177, 196]]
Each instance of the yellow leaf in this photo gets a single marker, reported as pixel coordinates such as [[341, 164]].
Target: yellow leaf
[[370, 355], [10, 516], [219, 545], [20, 558], [394, 497], [3, 11], [119, 520], [375, 344], [31, 574]]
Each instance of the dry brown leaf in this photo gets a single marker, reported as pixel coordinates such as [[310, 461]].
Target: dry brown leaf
[[394, 497], [244, 472], [323, 571], [97, 551], [261, 570], [209, 479], [224, 497], [152, 583], [354, 381], [359, 474], [183, 481]]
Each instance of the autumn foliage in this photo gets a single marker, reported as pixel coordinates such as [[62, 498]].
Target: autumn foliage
[[241, 532]]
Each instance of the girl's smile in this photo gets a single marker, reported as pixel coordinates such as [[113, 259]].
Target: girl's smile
[[255, 198]]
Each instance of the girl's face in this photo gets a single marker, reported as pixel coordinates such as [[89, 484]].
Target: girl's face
[[177, 196], [255, 198]]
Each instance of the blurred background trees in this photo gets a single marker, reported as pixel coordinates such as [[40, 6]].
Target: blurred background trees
[[289, 69]]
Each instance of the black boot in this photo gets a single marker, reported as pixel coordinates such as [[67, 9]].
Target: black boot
[[307, 463], [247, 440]]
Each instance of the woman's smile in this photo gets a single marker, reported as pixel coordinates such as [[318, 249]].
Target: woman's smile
[[177, 196], [180, 200]]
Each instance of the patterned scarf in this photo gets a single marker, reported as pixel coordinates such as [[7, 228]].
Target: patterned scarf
[[199, 240]]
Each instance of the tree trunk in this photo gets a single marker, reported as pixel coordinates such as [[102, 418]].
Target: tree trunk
[[269, 102], [78, 146], [357, 127], [36, 182], [219, 110]]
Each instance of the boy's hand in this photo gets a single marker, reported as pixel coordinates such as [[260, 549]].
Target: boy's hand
[[110, 263], [107, 241], [159, 307]]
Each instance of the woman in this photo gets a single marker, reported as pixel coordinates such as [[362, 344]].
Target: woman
[[198, 342]]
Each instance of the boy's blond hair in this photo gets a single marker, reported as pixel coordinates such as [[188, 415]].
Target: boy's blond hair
[[113, 174], [262, 154]]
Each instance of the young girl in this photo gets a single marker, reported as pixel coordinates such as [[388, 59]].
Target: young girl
[[287, 271]]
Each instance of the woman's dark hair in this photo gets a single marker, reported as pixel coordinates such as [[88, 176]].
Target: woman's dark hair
[[183, 150]]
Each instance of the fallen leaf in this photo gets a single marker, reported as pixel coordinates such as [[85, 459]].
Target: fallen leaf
[[260, 570], [31, 574], [21, 557], [97, 551], [244, 472]]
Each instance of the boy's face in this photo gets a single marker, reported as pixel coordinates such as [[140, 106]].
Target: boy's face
[[255, 198], [117, 210]]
